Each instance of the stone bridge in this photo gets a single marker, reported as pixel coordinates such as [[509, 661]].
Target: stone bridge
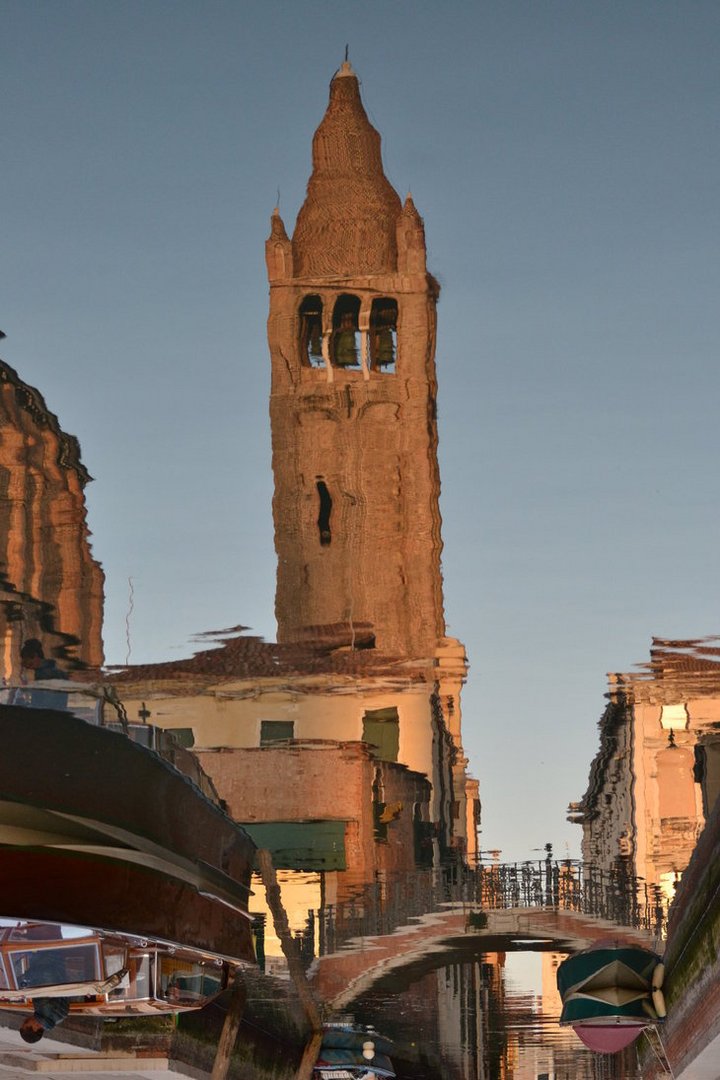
[[440, 938], [429, 921]]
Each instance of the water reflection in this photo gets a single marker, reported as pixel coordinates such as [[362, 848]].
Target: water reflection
[[338, 748], [491, 1018], [656, 776], [97, 974], [651, 819], [51, 588]]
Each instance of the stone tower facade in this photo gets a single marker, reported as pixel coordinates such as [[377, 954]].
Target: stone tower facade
[[51, 588], [352, 342]]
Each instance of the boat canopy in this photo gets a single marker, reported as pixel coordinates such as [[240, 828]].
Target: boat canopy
[[611, 994], [353, 1053]]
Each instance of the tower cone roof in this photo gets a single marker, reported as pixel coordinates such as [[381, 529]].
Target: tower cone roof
[[346, 226]]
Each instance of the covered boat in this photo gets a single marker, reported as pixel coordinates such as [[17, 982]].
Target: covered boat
[[353, 1053], [101, 832], [611, 994]]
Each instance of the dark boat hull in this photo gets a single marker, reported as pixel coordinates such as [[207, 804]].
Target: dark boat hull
[[98, 831], [83, 890], [58, 762]]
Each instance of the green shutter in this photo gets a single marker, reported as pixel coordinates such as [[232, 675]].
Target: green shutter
[[272, 731], [381, 729]]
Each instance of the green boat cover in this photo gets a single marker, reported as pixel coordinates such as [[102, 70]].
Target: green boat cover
[[608, 984]]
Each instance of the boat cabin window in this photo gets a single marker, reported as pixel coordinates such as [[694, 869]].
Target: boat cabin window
[[37, 697], [115, 959], [383, 335], [55, 966], [345, 349], [85, 706], [183, 982], [311, 332], [140, 974]]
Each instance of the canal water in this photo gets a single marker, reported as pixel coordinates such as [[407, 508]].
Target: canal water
[[340, 751]]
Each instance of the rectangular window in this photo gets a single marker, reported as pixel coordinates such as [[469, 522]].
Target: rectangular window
[[56, 967], [183, 736], [273, 731], [381, 729]]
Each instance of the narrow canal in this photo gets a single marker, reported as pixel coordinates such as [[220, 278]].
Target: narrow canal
[[325, 851]]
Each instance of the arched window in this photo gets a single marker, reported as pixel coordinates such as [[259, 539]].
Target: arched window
[[346, 335], [383, 334], [311, 331]]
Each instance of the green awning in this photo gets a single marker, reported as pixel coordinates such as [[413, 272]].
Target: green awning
[[301, 845]]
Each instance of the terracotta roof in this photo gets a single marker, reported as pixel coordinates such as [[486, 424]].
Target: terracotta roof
[[676, 668], [252, 658]]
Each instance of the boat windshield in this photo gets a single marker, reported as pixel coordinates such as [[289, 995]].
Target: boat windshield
[[45, 967]]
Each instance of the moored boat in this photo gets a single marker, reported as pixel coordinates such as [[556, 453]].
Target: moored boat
[[353, 1053], [98, 831], [611, 994], [102, 974]]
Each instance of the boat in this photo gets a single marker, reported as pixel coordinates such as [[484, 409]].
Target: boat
[[123, 839], [103, 974], [611, 994], [348, 1052]]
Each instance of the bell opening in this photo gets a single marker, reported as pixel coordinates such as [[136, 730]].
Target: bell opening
[[346, 352], [383, 335], [311, 353]]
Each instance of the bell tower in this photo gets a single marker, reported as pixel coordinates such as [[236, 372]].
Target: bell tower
[[352, 343]]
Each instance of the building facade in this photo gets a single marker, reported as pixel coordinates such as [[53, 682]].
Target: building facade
[[51, 588], [656, 776]]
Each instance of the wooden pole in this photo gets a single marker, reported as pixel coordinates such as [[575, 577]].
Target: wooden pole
[[309, 1057], [287, 941], [229, 1032]]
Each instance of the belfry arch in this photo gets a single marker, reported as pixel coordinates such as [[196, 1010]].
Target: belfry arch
[[345, 344], [311, 331]]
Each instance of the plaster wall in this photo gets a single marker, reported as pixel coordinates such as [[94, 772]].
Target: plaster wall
[[225, 719]]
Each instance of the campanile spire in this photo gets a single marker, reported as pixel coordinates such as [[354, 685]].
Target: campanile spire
[[346, 225]]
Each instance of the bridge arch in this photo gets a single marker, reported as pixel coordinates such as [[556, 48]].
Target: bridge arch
[[437, 939]]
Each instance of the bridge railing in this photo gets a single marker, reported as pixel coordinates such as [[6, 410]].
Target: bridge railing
[[382, 906]]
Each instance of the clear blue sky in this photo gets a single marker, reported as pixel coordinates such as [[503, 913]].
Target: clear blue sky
[[565, 158]]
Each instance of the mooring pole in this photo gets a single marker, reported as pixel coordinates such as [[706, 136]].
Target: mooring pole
[[309, 1057], [229, 1032], [292, 955]]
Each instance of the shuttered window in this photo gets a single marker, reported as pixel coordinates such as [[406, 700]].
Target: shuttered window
[[381, 729], [272, 731]]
